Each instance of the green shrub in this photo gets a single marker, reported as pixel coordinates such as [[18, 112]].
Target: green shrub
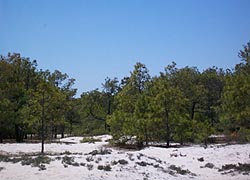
[[244, 135], [68, 160], [90, 140], [35, 162], [100, 152]]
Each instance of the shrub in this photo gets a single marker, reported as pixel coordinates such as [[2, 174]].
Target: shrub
[[34, 162], [244, 135], [90, 166], [90, 140], [122, 162], [179, 170], [89, 158], [105, 168], [240, 167], [209, 165], [100, 152], [68, 160]]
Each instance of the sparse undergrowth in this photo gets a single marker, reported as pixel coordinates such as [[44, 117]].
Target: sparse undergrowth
[[106, 160], [104, 167], [181, 171], [90, 140], [241, 168], [208, 165], [100, 152], [67, 160], [90, 167], [122, 162], [37, 161]]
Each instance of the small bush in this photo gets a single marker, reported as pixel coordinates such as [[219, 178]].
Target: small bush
[[90, 167], [139, 156], [75, 164], [68, 160], [130, 156], [98, 160], [42, 167], [90, 140], [82, 164], [244, 135], [181, 171], [245, 168], [155, 159], [209, 165], [105, 168], [100, 152], [42, 160], [122, 162], [34, 162], [200, 159], [89, 158], [113, 163], [4, 158], [143, 163]]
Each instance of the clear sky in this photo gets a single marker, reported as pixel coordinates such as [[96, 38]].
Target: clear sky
[[92, 39]]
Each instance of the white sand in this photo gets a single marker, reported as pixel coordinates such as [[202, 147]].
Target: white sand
[[161, 158]]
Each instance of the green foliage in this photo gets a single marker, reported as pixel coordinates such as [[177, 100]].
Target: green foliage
[[244, 135], [182, 131], [181, 104], [93, 108], [235, 109], [130, 118], [90, 140], [29, 96]]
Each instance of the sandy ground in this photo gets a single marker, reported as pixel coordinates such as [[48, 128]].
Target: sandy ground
[[149, 163]]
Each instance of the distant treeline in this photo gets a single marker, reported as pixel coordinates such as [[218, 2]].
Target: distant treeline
[[180, 104]]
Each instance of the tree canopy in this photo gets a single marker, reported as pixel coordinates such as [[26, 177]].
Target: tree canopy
[[179, 104]]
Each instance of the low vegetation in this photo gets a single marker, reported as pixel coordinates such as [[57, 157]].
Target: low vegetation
[[102, 151], [241, 168], [179, 170], [38, 161], [105, 167], [90, 140]]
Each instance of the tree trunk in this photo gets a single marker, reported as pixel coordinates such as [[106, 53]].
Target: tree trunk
[[193, 110], [107, 127], [167, 125], [1, 137], [25, 136], [71, 127], [146, 138], [181, 140], [62, 133], [18, 133], [55, 131], [43, 119]]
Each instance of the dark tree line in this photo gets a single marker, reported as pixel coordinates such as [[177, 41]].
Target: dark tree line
[[180, 104]]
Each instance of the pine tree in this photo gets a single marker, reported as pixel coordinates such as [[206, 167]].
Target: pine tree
[[236, 98]]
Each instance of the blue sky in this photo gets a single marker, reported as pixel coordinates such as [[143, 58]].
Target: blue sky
[[92, 39]]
